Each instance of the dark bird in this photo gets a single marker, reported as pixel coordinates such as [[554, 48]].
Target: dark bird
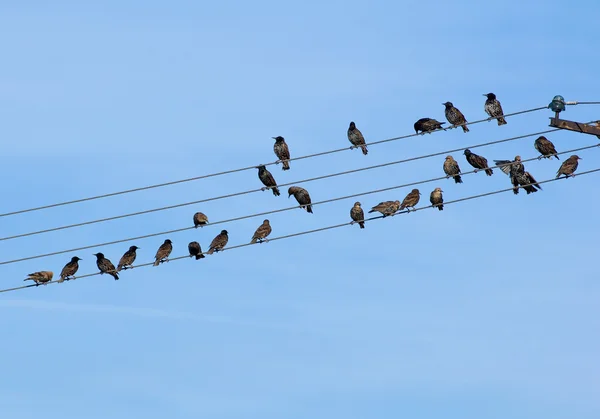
[[545, 147], [127, 259], [163, 252], [494, 109], [262, 232], [568, 167], [200, 219], [69, 270], [218, 242], [451, 168], [436, 199], [478, 162], [105, 266], [358, 215], [41, 277], [356, 138], [411, 200], [282, 152], [427, 125], [386, 208], [516, 170], [301, 196], [267, 179], [195, 250], [527, 181], [455, 117]]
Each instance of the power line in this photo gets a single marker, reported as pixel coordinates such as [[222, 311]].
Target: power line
[[275, 211], [160, 185], [331, 227]]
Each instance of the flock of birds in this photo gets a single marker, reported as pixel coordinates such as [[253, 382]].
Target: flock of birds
[[515, 169]]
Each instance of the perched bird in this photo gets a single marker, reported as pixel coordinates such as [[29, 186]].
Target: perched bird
[[356, 138], [545, 147], [127, 259], [282, 151], [451, 168], [105, 266], [568, 167], [478, 162], [411, 199], [494, 109], [70, 269], [386, 207], [41, 277], [218, 242], [358, 215], [200, 219], [436, 199], [267, 179], [427, 125], [163, 252], [518, 176], [455, 117], [527, 181], [195, 250], [301, 196], [511, 168], [262, 232]]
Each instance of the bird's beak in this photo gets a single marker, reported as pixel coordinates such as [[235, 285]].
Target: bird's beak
[[274, 138], [485, 94]]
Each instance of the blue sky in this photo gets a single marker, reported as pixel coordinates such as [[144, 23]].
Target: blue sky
[[487, 309]]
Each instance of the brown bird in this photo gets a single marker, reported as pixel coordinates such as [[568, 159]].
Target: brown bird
[[262, 232], [41, 277], [411, 199], [218, 242], [105, 266], [356, 138], [200, 219], [163, 252], [478, 162], [195, 250], [527, 181], [127, 259], [386, 208], [282, 152], [493, 108], [451, 168], [436, 199], [358, 215], [301, 196], [545, 147], [427, 125], [267, 179], [568, 167], [455, 117], [70, 269]]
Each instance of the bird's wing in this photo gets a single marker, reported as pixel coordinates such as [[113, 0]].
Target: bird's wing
[[530, 179], [506, 168]]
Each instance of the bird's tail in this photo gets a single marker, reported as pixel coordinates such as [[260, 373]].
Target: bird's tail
[[489, 172], [372, 211], [200, 256], [309, 208], [501, 121], [119, 268], [210, 251], [465, 128], [361, 224], [556, 157], [286, 165], [530, 189], [253, 240], [114, 275], [156, 262], [29, 279], [457, 179], [364, 149], [276, 191]]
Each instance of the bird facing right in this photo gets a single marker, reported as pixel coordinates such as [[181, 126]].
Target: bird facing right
[[568, 167], [455, 117], [200, 219], [262, 232], [69, 269], [493, 108], [386, 208], [411, 199], [282, 151], [41, 277], [436, 199], [358, 215], [218, 242], [451, 168], [163, 252], [356, 138], [127, 259]]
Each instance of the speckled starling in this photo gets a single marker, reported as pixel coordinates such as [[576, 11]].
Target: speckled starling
[[262, 232], [127, 259], [494, 109], [568, 167], [455, 117], [163, 252], [386, 207], [195, 250], [282, 151], [528, 182], [518, 176], [301, 196], [427, 125], [218, 242], [41, 277], [451, 168], [356, 138], [70, 269], [358, 215], [436, 199], [411, 199], [545, 147], [105, 266], [200, 219], [478, 162], [267, 179]]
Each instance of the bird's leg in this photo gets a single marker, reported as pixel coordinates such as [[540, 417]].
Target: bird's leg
[[278, 161], [476, 170], [353, 147], [263, 189], [540, 158], [352, 222], [448, 177]]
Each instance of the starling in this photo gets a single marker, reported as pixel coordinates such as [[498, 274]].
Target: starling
[[494, 109], [427, 125], [301, 196], [527, 181], [545, 147], [411, 200], [436, 199], [200, 219], [358, 215], [41, 277], [282, 152], [195, 250], [127, 259], [105, 266], [455, 117], [218, 242], [267, 179], [478, 162], [518, 176], [386, 207], [356, 138], [69, 270], [262, 232], [451, 169], [163, 252], [568, 167]]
